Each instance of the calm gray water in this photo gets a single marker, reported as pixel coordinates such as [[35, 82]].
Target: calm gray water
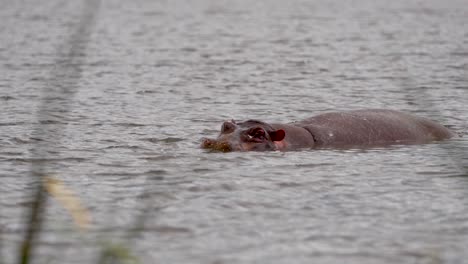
[[113, 98]]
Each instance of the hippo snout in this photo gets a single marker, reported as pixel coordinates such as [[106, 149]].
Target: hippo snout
[[207, 143], [213, 144]]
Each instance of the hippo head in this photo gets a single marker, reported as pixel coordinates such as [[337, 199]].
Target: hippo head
[[251, 135]]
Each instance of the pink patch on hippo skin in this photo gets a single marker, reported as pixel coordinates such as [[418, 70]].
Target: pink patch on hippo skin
[[280, 145]]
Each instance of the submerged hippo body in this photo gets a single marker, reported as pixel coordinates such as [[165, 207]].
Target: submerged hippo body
[[361, 128]]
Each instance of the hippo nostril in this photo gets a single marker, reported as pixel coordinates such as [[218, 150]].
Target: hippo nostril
[[207, 143]]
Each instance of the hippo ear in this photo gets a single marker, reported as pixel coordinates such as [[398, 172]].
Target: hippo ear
[[277, 135]]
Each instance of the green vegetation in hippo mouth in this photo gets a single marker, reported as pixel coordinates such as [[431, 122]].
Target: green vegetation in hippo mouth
[[218, 146]]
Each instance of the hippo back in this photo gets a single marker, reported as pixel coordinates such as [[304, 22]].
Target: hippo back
[[371, 127]]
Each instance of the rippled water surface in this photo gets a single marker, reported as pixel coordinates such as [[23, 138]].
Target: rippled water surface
[[112, 98]]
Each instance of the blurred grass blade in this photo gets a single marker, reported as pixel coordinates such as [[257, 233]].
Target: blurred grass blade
[[69, 201], [65, 78], [33, 226]]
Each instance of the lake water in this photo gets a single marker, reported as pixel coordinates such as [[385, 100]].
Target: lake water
[[113, 97]]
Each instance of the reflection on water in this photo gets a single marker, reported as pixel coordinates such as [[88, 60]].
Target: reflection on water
[[124, 123]]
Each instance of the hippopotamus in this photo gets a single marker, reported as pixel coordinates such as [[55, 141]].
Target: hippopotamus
[[359, 128]]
